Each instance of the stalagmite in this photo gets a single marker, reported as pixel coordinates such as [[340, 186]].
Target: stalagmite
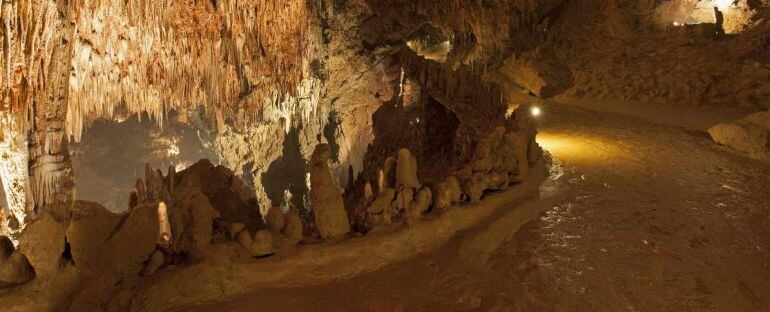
[[328, 208], [164, 231]]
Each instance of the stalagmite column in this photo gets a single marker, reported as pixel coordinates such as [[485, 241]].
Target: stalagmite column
[[50, 165], [13, 173]]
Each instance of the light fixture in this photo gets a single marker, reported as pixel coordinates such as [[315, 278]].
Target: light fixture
[[535, 111]]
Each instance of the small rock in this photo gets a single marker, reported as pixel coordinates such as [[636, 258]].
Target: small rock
[[419, 206], [293, 228], [441, 197], [406, 169], [260, 245], [382, 202], [403, 198], [275, 219], [234, 229], [474, 188], [263, 244], [454, 189]]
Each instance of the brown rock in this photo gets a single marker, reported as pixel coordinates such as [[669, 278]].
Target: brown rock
[[192, 219], [133, 242], [328, 207], [275, 219], [14, 267], [234, 229], [259, 245], [382, 202], [293, 228], [43, 243], [744, 137], [474, 188], [156, 261], [90, 226], [403, 198], [406, 169], [419, 206], [454, 189]]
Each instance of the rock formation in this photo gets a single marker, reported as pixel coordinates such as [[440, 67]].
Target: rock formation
[[328, 207]]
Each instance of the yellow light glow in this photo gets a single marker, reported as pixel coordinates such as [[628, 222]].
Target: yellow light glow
[[536, 111], [583, 149]]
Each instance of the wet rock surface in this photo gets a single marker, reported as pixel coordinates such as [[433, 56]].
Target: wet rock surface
[[626, 223]]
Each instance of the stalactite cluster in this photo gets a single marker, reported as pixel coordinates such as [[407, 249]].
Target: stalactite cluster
[[157, 56]]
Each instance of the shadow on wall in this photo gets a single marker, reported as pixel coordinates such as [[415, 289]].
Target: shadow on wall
[[287, 172], [112, 156]]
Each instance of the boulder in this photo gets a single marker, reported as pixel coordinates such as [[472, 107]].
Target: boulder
[[259, 245], [328, 207], [132, 242], [14, 267], [90, 226], [744, 137], [293, 228], [43, 244], [406, 169]]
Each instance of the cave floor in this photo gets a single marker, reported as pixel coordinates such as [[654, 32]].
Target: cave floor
[[635, 216]]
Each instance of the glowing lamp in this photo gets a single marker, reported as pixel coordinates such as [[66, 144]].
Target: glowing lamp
[[535, 111]]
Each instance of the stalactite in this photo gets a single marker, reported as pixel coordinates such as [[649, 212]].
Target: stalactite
[[161, 55]]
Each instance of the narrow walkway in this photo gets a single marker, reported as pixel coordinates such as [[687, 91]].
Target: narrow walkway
[[635, 217]]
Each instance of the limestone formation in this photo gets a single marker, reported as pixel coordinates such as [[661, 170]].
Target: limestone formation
[[259, 245], [132, 242], [454, 189], [43, 243], [293, 228], [14, 267], [153, 264], [276, 219], [90, 226], [328, 207], [192, 219], [403, 198], [406, 169], [419, 206], [474, 188], [383, 201], [234, 229]]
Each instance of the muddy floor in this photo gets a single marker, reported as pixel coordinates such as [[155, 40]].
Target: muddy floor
[[635, 216]]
